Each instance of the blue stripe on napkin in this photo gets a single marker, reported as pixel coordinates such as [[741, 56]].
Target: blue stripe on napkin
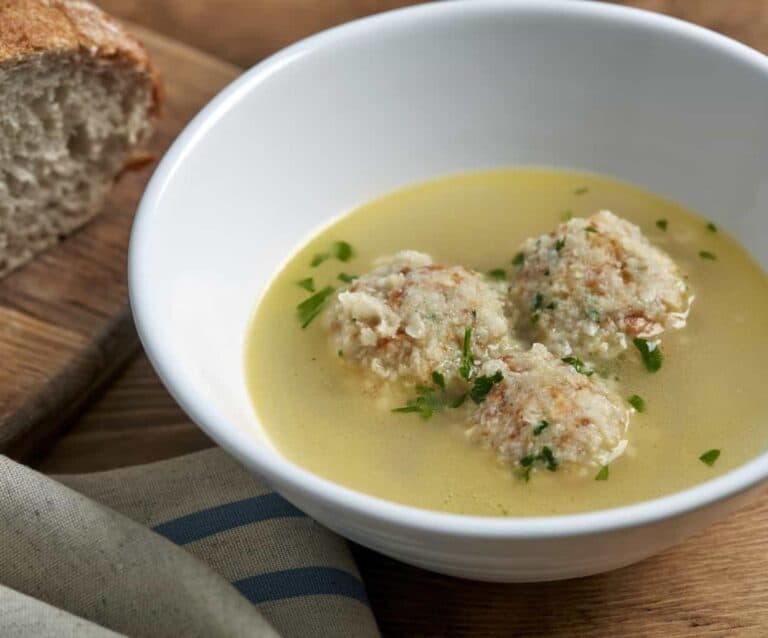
[[303, 581], [221, 518], [277, 585]]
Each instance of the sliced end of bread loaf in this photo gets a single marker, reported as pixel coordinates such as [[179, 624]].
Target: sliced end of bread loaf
[[75, 106]]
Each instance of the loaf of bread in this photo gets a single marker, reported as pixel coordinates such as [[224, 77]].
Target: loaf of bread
[[78, 97]]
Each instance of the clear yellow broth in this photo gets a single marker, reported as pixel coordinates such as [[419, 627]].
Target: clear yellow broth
[[710, 392]]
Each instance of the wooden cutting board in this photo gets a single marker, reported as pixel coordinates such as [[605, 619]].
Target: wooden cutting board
[[65, 323]]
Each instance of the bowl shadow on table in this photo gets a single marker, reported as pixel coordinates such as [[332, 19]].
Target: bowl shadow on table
[[709, 585]]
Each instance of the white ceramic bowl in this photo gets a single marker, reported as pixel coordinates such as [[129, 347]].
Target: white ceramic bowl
[[368, 107]]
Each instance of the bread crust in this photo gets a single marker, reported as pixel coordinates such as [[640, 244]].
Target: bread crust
[[40, 27]]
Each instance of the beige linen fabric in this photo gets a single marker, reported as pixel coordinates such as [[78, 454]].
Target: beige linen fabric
[[22, 615], [78, 556]]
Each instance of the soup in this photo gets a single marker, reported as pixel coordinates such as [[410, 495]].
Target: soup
[[701, 414]]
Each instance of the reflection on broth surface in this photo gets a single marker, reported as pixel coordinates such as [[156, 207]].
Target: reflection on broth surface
[[328, 416]]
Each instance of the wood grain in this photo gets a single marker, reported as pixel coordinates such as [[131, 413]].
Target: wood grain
[[245, 31], [713, 585], [136, 421], [65, 325]]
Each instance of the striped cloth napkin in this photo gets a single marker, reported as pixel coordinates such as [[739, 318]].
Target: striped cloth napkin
[[194, 546]]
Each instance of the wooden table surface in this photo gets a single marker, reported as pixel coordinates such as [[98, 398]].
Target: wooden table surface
[[722, 592]]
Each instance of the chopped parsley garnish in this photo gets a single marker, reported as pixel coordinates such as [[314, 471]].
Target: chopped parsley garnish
[[545, 456], [342, 251], [592, 315], [483, 385], [543, 425], [581, 191], [459, 401], [311, 307], [426, 403], [546, 272], [340, 353], [497, 273], [602, 475], [319, 259], [559, 244], [578, 365], [711, 227], [566, 215], [347, 279], [709, 457], [650, 352], [590, 229], [538, 302], [551, 305], [548, 458], [535, 318], [465, 368], [705, 254], [518, 259], [308, 284], [637, 402], [661, 224]]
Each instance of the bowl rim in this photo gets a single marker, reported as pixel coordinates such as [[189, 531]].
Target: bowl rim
[[281, 472]]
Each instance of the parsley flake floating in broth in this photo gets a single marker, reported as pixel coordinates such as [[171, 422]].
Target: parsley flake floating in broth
[[650, 352], [347, 279], [459, 401], [526, 465], [549, 458], [709, 457], [602, 475], [546, 456], [319, 259], [311, 307], [497, 273], [342, 251], [705, 254], [426, 403], [711, 227], [518, 259], [308, 284], [661, 224], [637, 402]]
